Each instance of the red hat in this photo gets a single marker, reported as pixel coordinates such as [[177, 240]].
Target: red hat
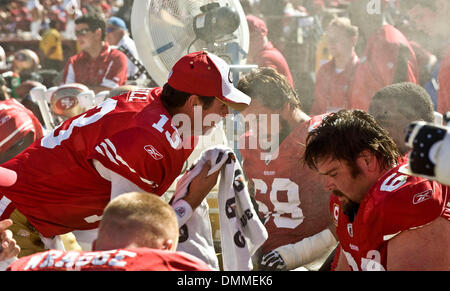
[[15, 124], [205, 74], [256, 24]]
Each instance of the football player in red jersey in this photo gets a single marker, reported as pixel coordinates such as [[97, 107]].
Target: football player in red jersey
[[291, 199], [130, 142], [138, 232], [385, 218], [19, 128]]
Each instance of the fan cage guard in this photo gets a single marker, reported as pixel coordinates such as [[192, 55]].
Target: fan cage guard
[[163, 32]]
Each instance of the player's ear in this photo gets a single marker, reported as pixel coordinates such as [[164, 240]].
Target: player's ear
[[286, 109], [190, 104], [368, 161], [194, 100], [168, 245]]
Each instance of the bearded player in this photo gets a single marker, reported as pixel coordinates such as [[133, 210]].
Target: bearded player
[[128, 143], [385, 218], [292, 202]]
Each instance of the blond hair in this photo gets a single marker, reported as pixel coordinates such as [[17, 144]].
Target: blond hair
[[139, 219], [345, 25]]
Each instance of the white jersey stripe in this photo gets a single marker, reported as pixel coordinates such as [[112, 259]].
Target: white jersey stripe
[[4, 202], [9, 137]]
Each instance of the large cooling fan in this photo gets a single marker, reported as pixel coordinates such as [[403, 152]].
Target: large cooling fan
[[164, 32]]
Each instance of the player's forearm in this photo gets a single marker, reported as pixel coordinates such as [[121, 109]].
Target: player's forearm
[[307, 250]]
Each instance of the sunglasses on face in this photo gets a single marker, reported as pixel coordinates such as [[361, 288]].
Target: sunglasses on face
[[82, 32]]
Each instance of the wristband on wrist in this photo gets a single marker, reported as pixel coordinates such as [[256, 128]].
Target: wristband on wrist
[[183, 211]]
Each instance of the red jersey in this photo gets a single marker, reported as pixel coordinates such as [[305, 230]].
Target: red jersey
[[444, 84], [58, 188], [130, 259], [109, 69], [379, 63], [290, 196], [333, 88], [397, 202], [16, 121]]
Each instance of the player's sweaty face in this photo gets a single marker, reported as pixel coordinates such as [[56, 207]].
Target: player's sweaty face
[[340, 179], [265, 117]]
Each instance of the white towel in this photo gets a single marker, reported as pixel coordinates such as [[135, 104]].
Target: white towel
[[241, 232]]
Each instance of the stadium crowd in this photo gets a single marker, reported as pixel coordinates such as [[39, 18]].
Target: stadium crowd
[[345, 78]]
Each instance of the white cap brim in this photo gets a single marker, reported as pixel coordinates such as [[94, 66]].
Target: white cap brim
[[230, 95]]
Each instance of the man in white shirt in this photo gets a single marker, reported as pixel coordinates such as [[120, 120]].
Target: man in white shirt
[[117, 35]]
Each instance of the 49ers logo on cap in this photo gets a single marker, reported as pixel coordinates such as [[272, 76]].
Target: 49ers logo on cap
[[153, 152], [230, 76]]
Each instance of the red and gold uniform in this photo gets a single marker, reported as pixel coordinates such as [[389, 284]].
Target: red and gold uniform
[[290, 196], [59, 190], [397, 202], [130, 259]]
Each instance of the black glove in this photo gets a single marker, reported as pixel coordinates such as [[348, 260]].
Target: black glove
[[421, 138], [272, 261]]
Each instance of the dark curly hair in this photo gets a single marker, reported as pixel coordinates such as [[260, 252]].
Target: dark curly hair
[[270, 87], [94, 22], [344, 135]]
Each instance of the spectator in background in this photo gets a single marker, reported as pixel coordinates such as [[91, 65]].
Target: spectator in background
[[55, 13], [19, 17], [432, 18], [25, 65], [2, 59], [247, 7], [261, 50], [97, 66], [322, 53], [124, 12], [388, 57], [72, 10], [51, 48], [37, 13], [117, 35], [333, 80], [97, 7]]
